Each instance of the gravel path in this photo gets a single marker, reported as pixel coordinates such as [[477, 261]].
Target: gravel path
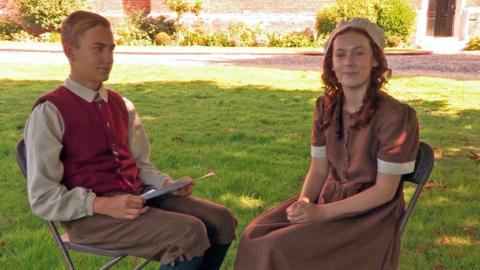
[[462, 66], [455, 66]]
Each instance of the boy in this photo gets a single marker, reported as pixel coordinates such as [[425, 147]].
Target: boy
[[88, 162]]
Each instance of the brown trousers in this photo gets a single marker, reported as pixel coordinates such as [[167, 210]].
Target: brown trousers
[[173, 227]]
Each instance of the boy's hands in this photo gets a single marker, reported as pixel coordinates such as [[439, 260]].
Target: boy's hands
[[124, 206], [128, 206]]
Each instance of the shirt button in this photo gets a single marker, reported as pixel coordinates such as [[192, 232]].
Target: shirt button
[[118, 171], [115, 153], [113, 145], [99, 105], [108, 124]]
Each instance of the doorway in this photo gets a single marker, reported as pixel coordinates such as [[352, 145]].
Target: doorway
[[440, 18]]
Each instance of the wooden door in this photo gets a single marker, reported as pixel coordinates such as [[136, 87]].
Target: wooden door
[[440, 17]]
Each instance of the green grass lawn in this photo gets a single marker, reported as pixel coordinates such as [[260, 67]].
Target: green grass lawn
[[252, 127]]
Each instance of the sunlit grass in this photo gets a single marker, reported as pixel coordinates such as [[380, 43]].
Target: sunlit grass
[[251, 126]]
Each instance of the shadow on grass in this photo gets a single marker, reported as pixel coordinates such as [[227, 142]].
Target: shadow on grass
[[255, 138]]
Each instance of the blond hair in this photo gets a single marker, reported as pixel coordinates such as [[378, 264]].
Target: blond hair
[[78, 22]]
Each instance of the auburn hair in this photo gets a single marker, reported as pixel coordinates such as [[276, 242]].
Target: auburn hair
[[333, 93]]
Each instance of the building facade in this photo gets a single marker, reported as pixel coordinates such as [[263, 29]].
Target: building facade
[[457, 19]]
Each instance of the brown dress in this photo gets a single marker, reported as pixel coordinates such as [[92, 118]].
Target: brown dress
[[367, 240]]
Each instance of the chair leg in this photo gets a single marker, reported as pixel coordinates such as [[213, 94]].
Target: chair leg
[[67, 260], [58, 241], [112, 262]]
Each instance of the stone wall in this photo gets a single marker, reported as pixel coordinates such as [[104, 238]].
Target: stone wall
[[473, 3], [473, 24]]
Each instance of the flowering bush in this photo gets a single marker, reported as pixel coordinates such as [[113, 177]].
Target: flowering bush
[[8, 28], [473, 44], [162, 39]]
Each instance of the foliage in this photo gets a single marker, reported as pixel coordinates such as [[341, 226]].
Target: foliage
[[473, 44], [129, 34], [325, 21], [162, 39], [328, 17], [8, 28], [292, 39], [23, 36], [245, 35], [396, 17], [393, 41], [151, 25], [241, 35], [184, 6], [47, 15]]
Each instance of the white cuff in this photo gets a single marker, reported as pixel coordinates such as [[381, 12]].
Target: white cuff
[[318, 151], [395, 168]]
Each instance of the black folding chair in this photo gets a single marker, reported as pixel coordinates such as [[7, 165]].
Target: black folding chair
[[63, 242], [423, 167]]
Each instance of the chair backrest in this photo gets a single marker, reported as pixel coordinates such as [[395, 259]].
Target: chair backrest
[[21, 156], [423, 167]]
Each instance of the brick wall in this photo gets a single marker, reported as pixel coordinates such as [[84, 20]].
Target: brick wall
[[473, 25], [271, 6], [277, 15], [106, 7], [6, 6], [243, 6]]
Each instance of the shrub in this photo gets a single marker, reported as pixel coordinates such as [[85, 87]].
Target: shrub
[[292, 39], [393, 41], [128, 34], [327, 18], [151, 25], [191, 37], [396, 17], [325, 21], [7, 28], [219, 39], [348, 9], [23, 36], [47, 15], [162, 38], [246, 35], [260, 41], [239, 34], [473, 44]]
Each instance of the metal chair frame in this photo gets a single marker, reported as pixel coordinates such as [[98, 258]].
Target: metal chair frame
[[63, 242], [423, 168]]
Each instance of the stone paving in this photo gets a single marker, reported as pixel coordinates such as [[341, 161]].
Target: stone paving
[[463, 66]]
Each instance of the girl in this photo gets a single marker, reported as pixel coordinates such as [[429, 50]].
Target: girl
[[363, 140]]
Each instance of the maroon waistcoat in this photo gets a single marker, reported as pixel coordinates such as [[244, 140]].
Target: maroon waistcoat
[[95, 152]]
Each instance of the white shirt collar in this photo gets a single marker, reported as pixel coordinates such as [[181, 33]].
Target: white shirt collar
[[87, 94]]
